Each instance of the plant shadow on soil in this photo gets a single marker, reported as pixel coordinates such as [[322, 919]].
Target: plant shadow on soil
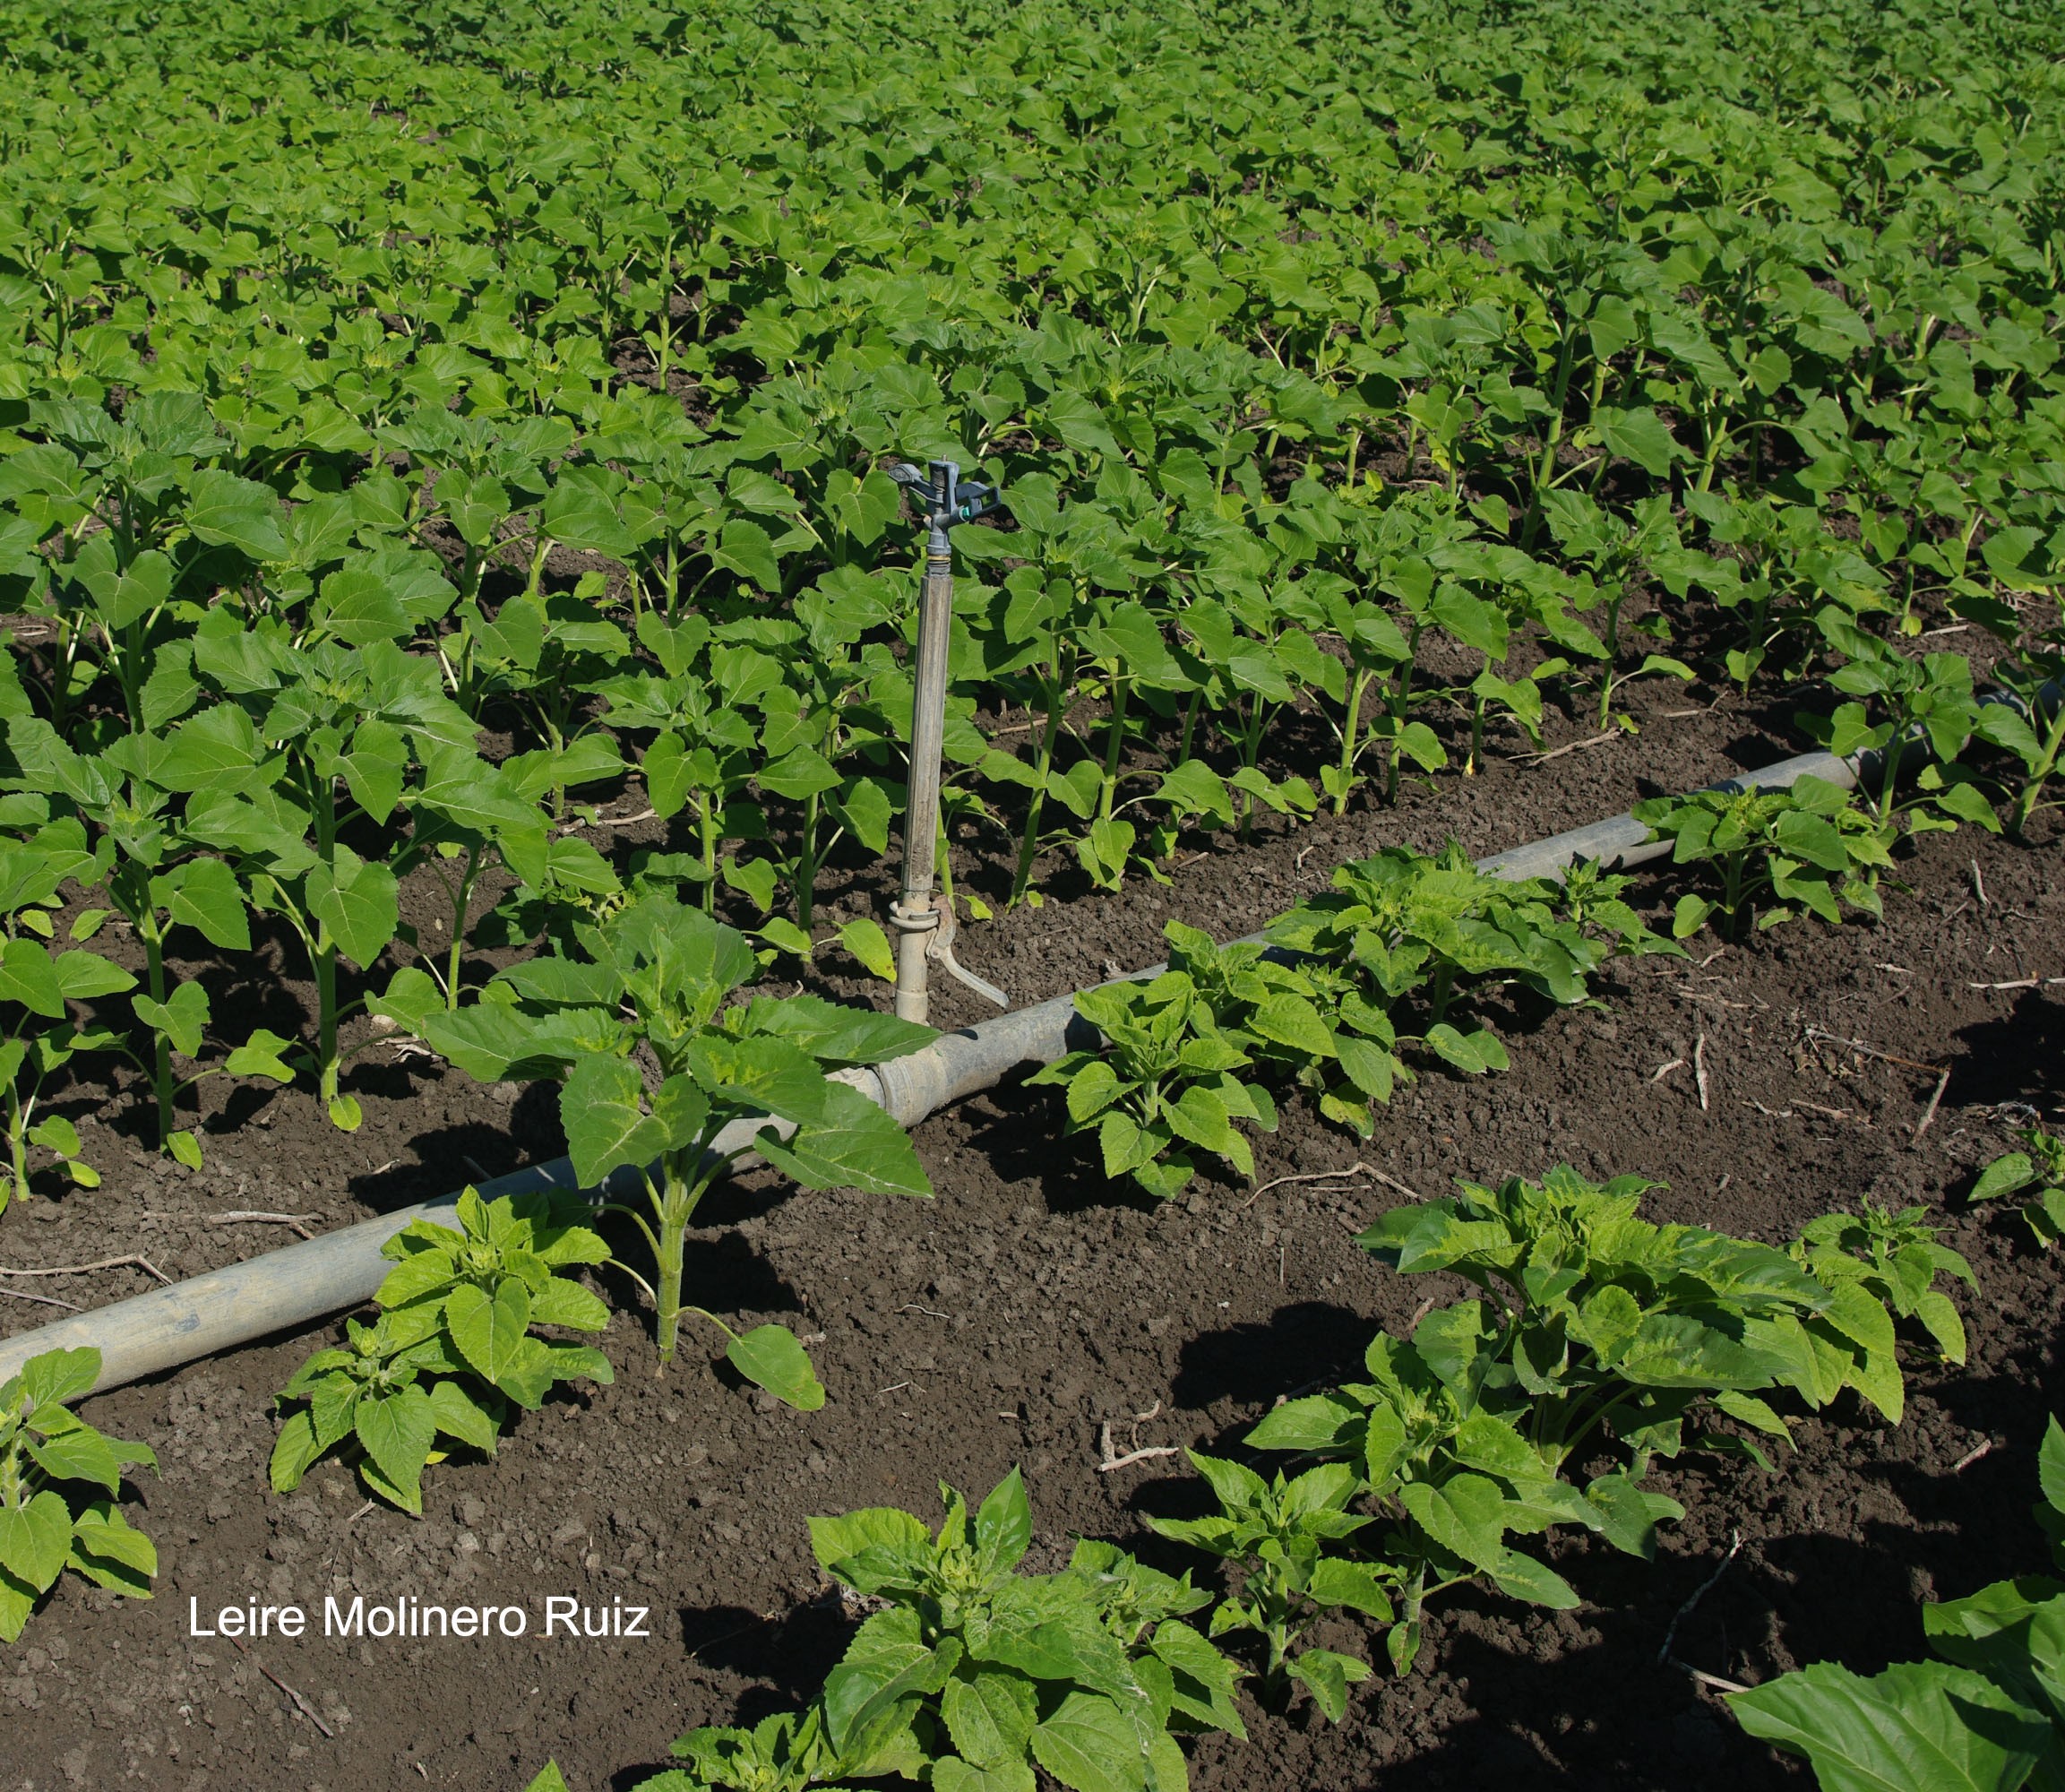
[[2015, 1058]]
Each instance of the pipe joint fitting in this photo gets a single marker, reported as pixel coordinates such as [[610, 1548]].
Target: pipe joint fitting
[[912, 919]]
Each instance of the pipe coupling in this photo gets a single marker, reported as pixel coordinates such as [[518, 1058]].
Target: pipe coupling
[[913, 920]]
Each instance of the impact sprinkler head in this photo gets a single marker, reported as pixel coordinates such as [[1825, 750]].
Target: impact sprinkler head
[[947, 501]]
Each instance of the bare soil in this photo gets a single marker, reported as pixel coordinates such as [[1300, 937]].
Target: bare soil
[[1031, 1304]]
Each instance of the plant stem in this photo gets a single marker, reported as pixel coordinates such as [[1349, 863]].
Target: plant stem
[[324, 960], [1114, 747], [1401, 706], [460, 904], [2025, 803], [706, 830], [1351, 733], [1566, 359], [17, 1149], [161, 1088], [1029, 845], [805, 876], [674, 1206]]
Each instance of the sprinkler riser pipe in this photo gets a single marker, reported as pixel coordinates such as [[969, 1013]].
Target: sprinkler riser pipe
[[913, 915]]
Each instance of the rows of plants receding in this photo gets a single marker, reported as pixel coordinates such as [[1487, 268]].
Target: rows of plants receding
[[1453, 405], [424, 439]]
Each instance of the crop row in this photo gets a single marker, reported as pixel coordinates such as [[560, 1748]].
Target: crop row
[[1594, 1335]]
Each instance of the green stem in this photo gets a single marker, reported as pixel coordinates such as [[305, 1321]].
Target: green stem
[[1189, 726], [706, 832], [324, 960], [1114, 747], [161, 1088], [1028, 845], [806, 878], [17, 1147], [674, 1206], [1566, 362], [2025, 803], [1351, 736], [460, 904], [321, 949], [1401, 706]]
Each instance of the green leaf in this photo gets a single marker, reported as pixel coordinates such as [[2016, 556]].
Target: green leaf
[[2050, 1465], [894, 1533], [562, 1302], [294, 1452], [1630, 1514], [835, 1033], [865, 940], [769, 1357], [885, 1663], [209, 899], [1328, 1675], [356, 902], [56, 1134], [260, 1055], [398, 1432], [111, 1552], [1463, 1517], [457, 1414], [1003, 1525], [1638, 435], [1920, 1727], [1089, 1745], [28, 976], [601, 1107], [1091, 1089], [991, 1716], [1353, 1584], [489, 1333], [78, 1453], [856, 1145], [35, 1539], [2004, 1175], [1203, 1681], [58, 1377], [226, 512], [180, 1017]]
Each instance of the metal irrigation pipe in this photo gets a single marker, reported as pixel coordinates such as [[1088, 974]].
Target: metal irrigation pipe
[[289, 1287], [923, 931]]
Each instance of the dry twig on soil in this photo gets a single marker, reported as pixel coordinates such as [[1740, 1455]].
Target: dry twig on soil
[[42, 1299], [241, 1216], [105, 1263], [300, 1704], [1357, 1169], [1663, 1655], [1110, 1461]]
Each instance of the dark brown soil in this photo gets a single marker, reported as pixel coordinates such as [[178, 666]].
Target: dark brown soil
[[1028, 1306]]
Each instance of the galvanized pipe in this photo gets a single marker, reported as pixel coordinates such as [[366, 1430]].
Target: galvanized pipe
[[913, 915]]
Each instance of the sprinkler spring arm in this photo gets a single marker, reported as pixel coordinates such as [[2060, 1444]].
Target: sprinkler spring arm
[[923, 931]]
